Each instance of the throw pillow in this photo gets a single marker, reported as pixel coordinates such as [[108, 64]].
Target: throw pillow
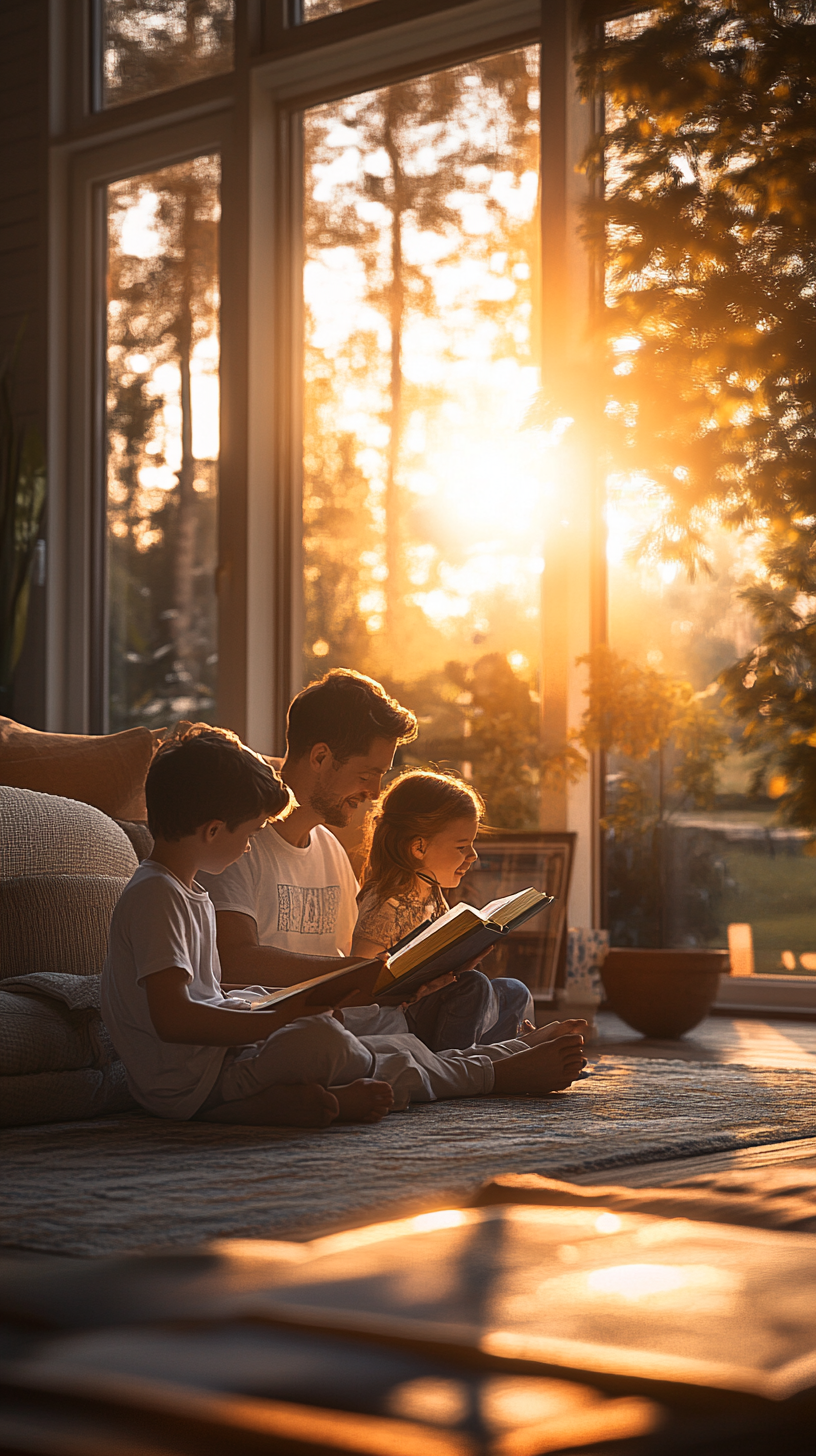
[[108, 771], [56, 923], [42, 834]]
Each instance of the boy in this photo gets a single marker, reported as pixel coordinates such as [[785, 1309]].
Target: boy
[[192, 1052]]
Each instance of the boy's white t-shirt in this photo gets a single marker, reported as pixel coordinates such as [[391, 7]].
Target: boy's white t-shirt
[[301, 899], [159, 923]]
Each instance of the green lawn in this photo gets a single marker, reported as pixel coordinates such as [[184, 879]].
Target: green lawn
[[776, 895]]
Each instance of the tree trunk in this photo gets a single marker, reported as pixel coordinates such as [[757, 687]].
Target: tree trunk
[[393, 532], [186, 510]]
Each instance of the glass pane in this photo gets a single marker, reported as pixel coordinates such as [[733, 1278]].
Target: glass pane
[[677, 874], [154, 45], [162, 436], [424, 491], [316, 9]]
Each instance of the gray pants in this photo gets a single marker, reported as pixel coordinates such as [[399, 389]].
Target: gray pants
[[318, 1049]]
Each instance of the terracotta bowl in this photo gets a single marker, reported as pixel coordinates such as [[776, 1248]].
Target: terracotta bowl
[[663, 993]]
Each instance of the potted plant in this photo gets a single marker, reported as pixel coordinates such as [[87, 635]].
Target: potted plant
[[661, 744]]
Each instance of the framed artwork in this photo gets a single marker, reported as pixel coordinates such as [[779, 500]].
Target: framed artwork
[[510, 861]]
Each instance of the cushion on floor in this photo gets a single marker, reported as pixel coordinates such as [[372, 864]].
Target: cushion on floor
[[64, 1096], [43, 834], [108, 771], [56, 923], [57, 1061], [52, 1023]]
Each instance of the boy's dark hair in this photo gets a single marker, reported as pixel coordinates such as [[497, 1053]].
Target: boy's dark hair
[[205, 773], [347, 711]]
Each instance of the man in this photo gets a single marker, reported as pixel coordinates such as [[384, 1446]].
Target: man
[[296, 894]]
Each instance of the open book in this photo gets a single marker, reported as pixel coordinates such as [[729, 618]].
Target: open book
[[434, 949]]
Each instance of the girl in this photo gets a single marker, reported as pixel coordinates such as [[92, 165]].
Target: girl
[[419, 843]]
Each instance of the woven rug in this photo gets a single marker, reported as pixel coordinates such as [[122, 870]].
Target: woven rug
[[134, 1181]]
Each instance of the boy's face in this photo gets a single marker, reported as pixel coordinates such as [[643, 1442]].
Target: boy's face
[[221, 847]]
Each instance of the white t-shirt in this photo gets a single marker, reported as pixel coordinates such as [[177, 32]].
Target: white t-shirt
[[300, 899], [159, 923]]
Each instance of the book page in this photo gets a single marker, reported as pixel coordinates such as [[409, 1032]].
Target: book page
[[439, 924], [513, 903]]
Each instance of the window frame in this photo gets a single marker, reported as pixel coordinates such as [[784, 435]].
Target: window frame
[[250, 116]]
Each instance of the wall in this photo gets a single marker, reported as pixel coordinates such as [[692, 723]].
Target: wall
[[23, 266]]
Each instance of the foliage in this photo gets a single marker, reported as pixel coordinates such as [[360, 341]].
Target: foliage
[[708, 220], [772, 690], [500, 741], [645, 718], [150, 44], [661, 743], [22, 502]]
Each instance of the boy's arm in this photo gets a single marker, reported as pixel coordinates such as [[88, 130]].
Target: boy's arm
[[177, 1018], [246, 963]]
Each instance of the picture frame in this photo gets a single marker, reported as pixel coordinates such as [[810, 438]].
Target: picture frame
[[509, 861]]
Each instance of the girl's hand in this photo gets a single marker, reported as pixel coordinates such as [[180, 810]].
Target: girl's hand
[[432, 986]]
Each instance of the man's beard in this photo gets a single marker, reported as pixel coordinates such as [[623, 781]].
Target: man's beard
[[334, 812]]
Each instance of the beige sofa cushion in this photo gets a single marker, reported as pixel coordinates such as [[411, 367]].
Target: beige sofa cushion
[[42, 834], [56, 923], [108, 772]]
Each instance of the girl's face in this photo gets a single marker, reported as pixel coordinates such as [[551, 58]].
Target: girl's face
[[447, 855]]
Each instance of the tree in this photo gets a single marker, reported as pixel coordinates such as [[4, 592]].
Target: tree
[[163, 302], [500, 742], [148, 44], [708, 223], [389, 175], [22, 503], [772, 690], [708, 226], [662, 744]]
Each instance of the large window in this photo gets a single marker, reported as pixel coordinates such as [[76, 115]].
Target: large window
[[679, 873], [425, 490], [162, 440]]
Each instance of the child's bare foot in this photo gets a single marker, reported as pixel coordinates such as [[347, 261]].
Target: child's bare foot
[[282, 1106], [364, 1100], [552, 1030], [549, 1067]]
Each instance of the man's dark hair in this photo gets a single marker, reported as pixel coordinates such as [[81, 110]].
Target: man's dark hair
[[347, 711], [205, 773]]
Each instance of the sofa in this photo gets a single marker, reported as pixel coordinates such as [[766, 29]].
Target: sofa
[[63, 865]]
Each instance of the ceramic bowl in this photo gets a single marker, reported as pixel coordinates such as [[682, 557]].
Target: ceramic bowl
[[662, 993]]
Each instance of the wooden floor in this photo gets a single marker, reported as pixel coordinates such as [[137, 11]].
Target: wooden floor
[[751, 1042]]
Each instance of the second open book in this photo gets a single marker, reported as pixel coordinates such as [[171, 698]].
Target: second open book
[[435, 949]]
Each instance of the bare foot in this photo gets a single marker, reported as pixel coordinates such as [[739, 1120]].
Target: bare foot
[[364, 1100], [549, 1067], [551, 1031], [282, 1106]]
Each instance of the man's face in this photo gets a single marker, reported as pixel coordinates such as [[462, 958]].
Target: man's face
[[341, 787]]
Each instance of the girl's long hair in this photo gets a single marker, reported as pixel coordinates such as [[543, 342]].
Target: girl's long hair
[[419, 804]]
